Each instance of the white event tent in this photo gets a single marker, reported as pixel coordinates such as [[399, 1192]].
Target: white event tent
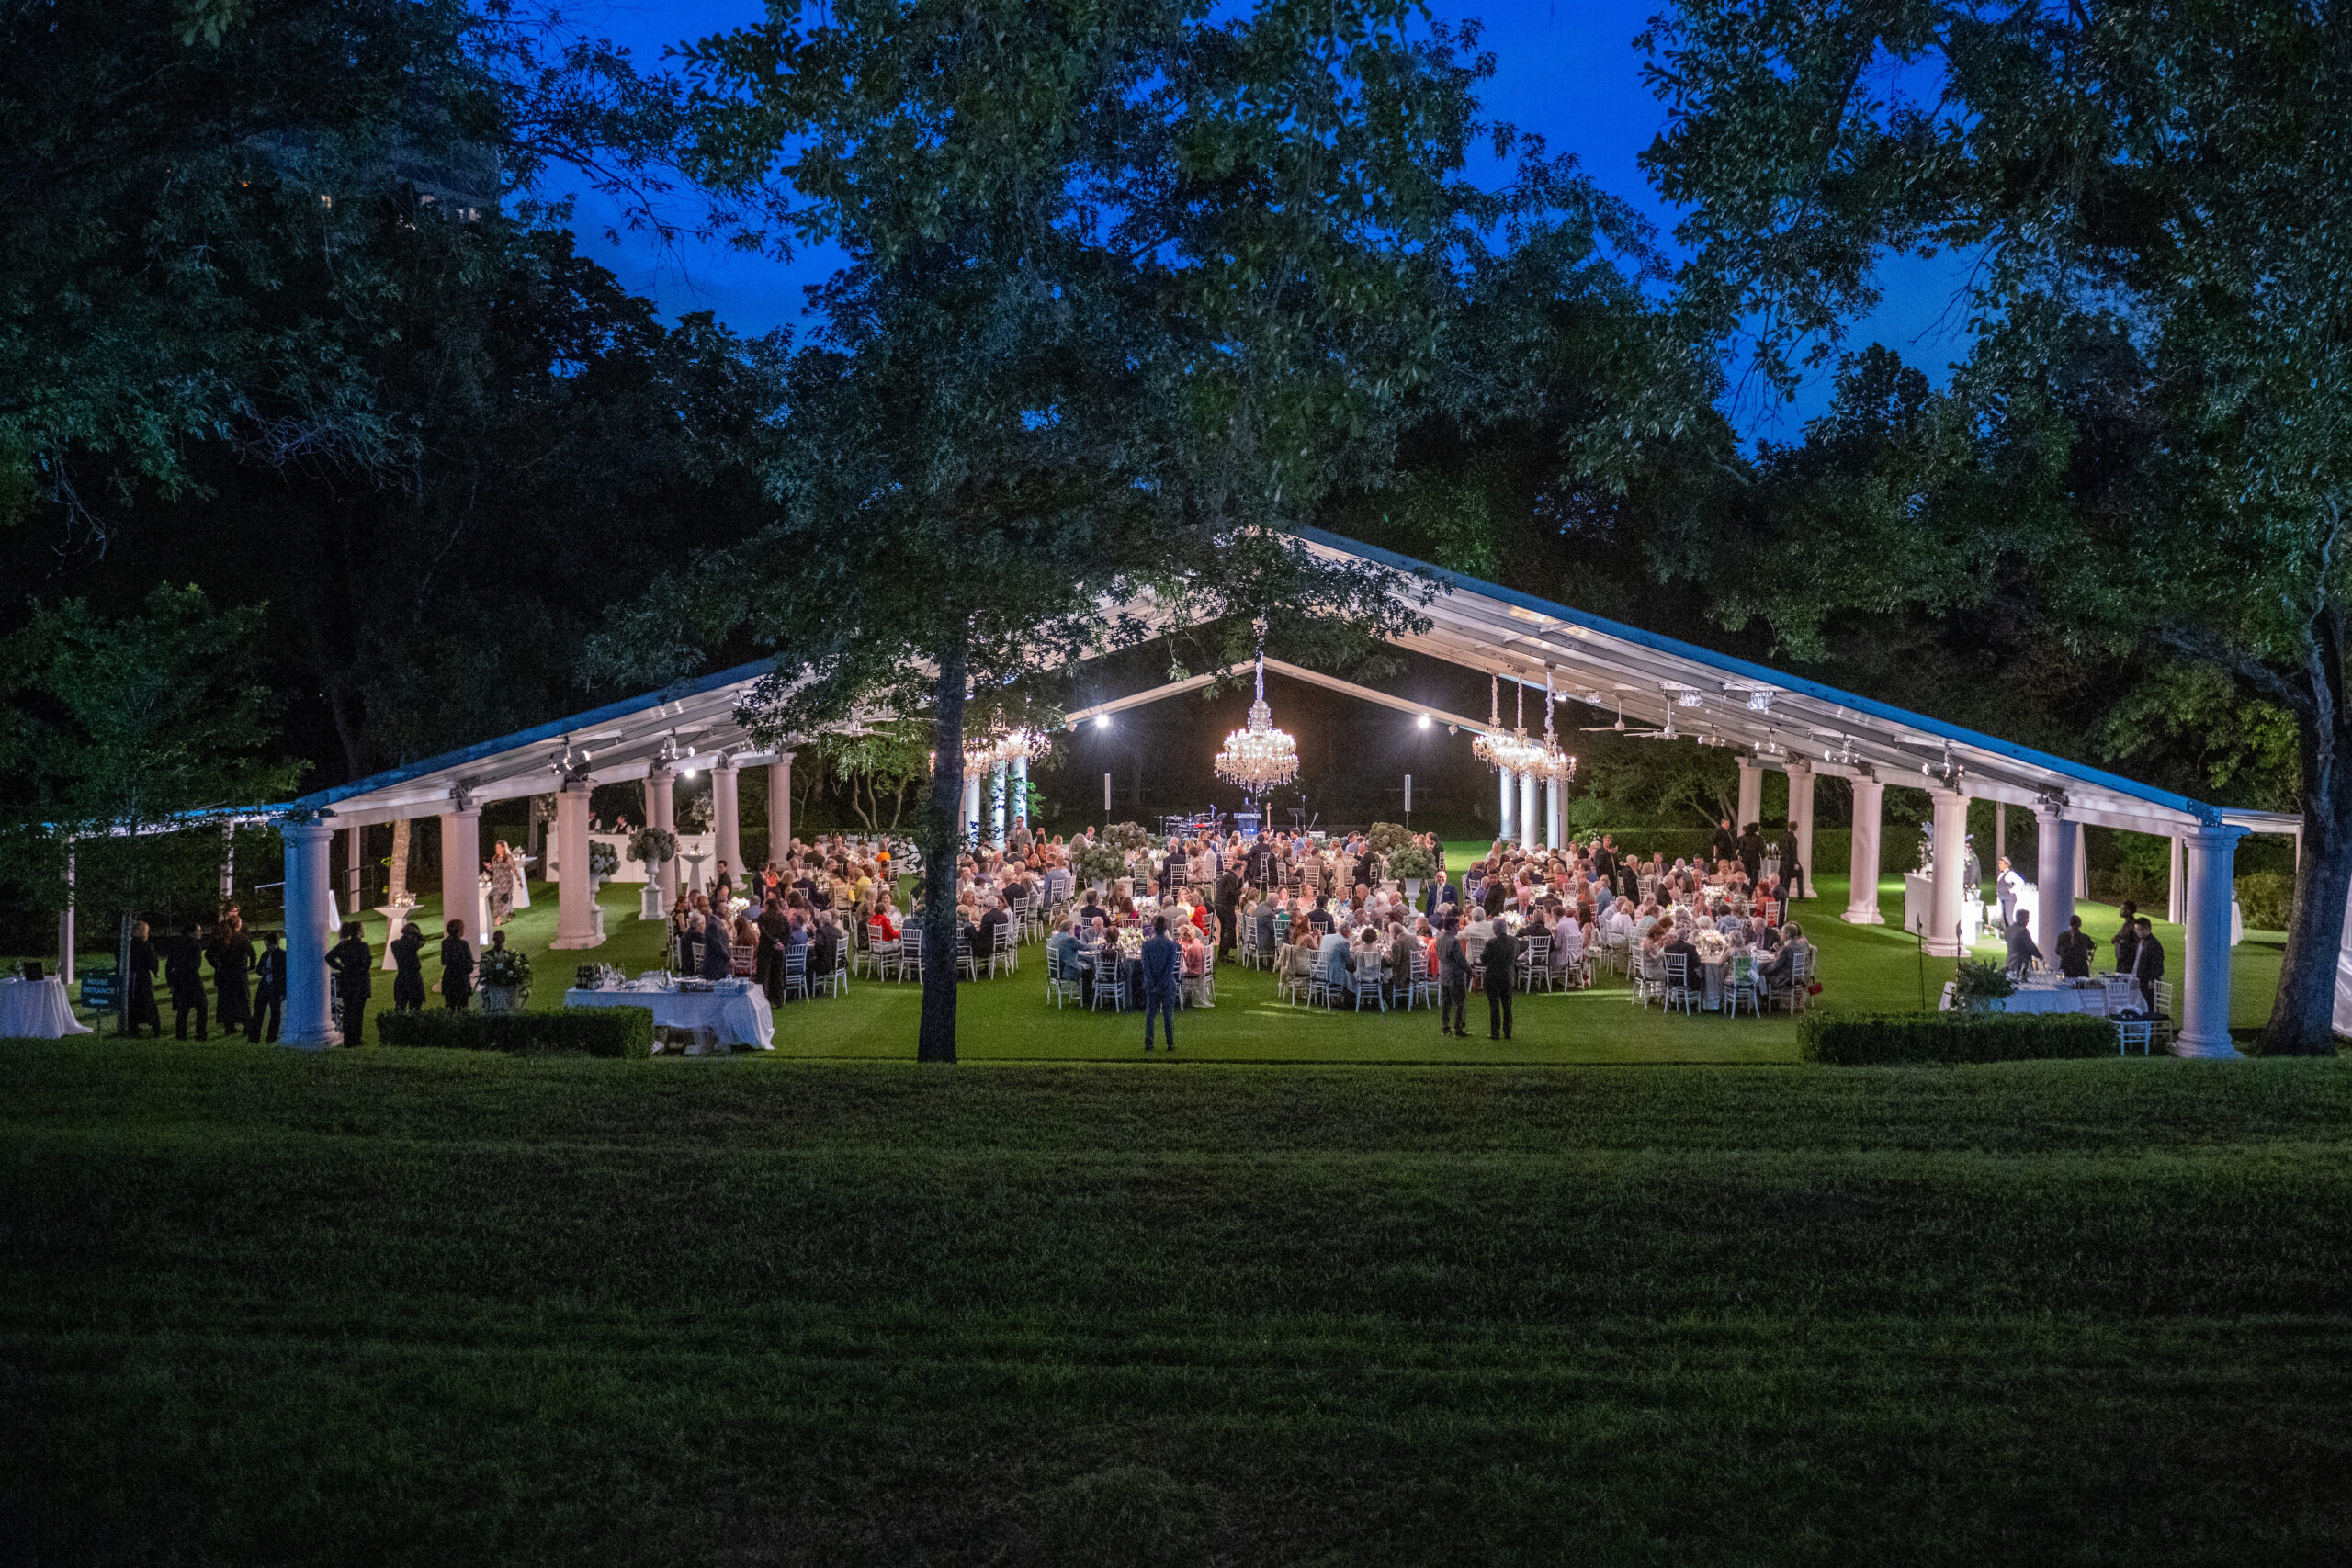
[[1774, 721]]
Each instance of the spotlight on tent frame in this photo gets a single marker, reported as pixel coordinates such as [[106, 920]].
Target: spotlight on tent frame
[[1422, 722], [1102, 721]]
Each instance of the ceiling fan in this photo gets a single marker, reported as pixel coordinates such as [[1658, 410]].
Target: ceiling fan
[[1618, 728]]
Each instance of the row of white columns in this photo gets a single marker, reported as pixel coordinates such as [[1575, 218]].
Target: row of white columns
[[1007, 794], [1751, 810], [309, 909], [2204, 864]]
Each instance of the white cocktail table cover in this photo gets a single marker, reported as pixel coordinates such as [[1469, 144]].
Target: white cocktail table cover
[[35, 1010], [736, 1014]]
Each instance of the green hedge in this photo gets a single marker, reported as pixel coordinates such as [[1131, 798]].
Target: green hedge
[[1853, 1040], [592, 1032]]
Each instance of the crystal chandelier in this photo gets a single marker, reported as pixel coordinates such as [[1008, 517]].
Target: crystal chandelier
[[1514, 753], [1552, 765], [1260, 756], [983, 756]]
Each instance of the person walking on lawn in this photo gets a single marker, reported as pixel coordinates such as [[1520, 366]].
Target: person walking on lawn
[[1452, 980], [1501, 959], [1163, 972]]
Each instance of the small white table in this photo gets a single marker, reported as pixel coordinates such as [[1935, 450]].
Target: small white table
[[35, 1010], [736, 1011]]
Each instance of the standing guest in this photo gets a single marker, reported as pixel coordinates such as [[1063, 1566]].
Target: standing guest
[[722, 884], [1785, 848], [2074, 949], [269, 992], [1750, 851], [183, 973], [2147, 961], [456, 967], [1454, 981], [408, 969], [503, 869], [1162, 974], [1502, 960], [353, 967], [1726, 844], [2007, 885], [233, 960], [141, 1004], [2126, 940], [1229, 909]]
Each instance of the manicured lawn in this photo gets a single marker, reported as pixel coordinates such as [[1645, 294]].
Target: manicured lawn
[[260, 1306]]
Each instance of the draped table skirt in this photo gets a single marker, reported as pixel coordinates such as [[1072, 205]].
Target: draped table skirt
[[737, 1012]]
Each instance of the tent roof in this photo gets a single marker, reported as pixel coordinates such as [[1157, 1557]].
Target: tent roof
[[1475, 624]]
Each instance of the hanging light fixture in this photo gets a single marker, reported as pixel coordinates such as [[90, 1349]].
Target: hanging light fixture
[[1259, 756], [1492, 747], [1553, 765]]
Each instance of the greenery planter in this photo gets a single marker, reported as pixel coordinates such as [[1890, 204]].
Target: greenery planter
[[503, 999], [1412, 890]]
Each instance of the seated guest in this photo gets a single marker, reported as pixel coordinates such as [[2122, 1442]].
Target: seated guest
[[1401, 949], [716, 962], [999, 918], [1778, 974], [1321, 916], [1679, 944], [2023, 949], [1298, 955], [1062, 949]]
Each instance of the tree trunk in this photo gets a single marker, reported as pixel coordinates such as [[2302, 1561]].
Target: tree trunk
[[2302, 1013], [397, 882], [942, 837]]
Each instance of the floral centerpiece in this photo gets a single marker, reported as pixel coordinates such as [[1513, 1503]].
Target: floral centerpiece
[[1410, 864], [1097, 863], [652, 846], [504, 975], [1386, 838], [1124, 836], [1712, 946], [1977, 982]]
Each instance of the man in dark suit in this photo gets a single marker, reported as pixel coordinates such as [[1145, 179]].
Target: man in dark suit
[[1750, 853], [1453, 981], [1604, 862], [183, 973], [140, 1005], [2147, 961], [352, 961], [1726, 844], [1682, 944], [269, 992], [1163, 972], [1228, 910], [1260, 862], [1785, 847], [1501, 959], [456, 968]]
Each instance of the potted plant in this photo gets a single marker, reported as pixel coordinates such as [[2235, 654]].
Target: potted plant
[[506, 977], [1977, 983], [653, 848], [603, 861]]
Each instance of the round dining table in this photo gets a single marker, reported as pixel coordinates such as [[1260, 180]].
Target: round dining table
[[35, 1010]]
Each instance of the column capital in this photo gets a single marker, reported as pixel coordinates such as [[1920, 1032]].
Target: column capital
[[462, 802], [2214, 832], [1799, 765]]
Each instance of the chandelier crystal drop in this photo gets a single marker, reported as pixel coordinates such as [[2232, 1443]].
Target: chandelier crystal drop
[[1492, 748], [1260, 756], [1553, 765]]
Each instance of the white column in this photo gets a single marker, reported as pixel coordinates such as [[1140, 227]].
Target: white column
[[1527, 824], [1751, 795], [2176, 883], [2211, 854], [1944, 938], [1801, 808], [306, 874], [460, 869], [66, 942], [1106, 799], [997, 775], [2083, 862], [1554, 836], [972, 806], [2053, 874], [2000, 835], [660, 811], [575, 922], [727, 817], [1869, 812], [1509, 825], [779, 806], [1021, 788]]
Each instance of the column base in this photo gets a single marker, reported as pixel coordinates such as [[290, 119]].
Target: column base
[[1946, 947], [2224, 1050], [325, 1040], [572, 941], [1863, 915]]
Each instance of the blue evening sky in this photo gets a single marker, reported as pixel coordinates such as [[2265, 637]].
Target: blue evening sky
[[1567, 71]]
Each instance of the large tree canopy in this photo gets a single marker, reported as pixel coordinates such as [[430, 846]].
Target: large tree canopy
[[2157, 192]]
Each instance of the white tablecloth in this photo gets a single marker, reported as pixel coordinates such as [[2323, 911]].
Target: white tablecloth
[[2039, 999], [737, 1012], [35, 1010]]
